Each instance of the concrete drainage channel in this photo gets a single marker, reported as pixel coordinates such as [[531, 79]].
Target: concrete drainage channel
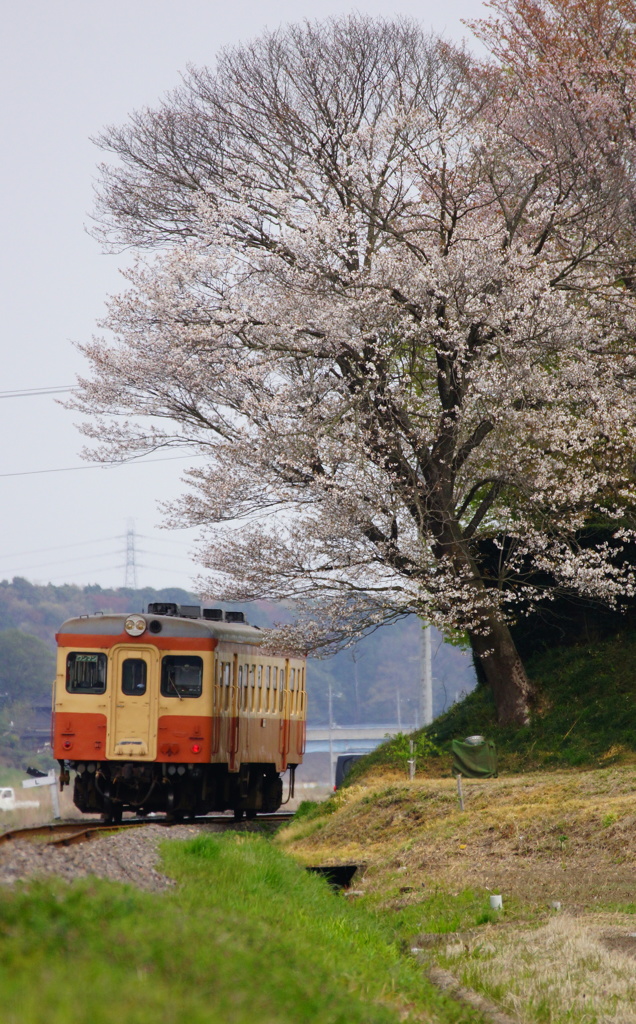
[[339, 876]]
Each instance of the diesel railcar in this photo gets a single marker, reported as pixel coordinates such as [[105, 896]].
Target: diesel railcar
[[178, 710]]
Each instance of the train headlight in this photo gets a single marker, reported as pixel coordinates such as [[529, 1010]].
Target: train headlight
[[135, 625]]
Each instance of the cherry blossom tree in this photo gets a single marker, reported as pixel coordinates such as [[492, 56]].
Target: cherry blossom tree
[[566, 107], [394, 334]]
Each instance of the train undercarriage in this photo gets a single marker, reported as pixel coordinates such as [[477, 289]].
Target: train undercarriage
[[178, 790]]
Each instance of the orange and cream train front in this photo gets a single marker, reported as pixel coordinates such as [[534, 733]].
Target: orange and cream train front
[[176, 710]]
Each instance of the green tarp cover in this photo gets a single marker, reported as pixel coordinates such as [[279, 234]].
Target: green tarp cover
[[474, 761]]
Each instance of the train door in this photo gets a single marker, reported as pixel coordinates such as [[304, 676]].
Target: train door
[[134, 682]]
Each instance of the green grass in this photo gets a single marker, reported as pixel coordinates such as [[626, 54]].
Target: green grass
[[248, 937], [585, 716], [11, 777], [440, 912]]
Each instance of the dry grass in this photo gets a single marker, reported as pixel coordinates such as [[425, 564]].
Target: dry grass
[[566, 836], [24, 817], [571, 969]]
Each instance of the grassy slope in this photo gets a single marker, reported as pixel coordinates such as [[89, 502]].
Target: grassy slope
[[585, 717], [561, 835], [247, 937], [559, 824]]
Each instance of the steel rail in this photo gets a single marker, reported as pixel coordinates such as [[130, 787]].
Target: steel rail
[[68, 832]]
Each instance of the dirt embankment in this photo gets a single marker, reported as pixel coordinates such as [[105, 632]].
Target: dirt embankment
[[567, 836], [559, 847]]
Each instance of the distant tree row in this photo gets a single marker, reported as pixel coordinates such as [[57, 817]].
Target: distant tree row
[[41, 609], [377, 680]]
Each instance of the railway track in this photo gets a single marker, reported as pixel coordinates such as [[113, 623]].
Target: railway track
[[67, 833]]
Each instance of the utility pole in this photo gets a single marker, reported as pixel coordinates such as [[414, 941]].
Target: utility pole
[[331, 754], [426, 678], [130, 577]]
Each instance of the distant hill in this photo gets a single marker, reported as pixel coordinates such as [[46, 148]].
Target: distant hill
[[375, 682], [41, 610]]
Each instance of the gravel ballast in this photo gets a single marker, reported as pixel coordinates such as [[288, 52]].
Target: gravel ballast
[[129, 856]]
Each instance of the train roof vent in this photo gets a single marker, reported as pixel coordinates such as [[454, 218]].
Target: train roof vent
[[163, 608], [213, 614], [190, 611], [235, 616]]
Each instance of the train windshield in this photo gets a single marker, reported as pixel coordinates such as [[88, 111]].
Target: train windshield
[[133, 677], [86, 673], [181, 676]]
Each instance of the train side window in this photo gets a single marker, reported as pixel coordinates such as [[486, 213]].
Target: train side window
[[267, 682], [133, 677], [181, 675], [292, 691], [86, 673], [258, 696], [250, 693], [241, 683], [227, 679], [282, 677], [274, 691]]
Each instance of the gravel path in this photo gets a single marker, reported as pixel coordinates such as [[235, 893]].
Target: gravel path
[[130, 856]]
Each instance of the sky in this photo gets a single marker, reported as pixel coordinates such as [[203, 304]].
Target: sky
[[66, 70]]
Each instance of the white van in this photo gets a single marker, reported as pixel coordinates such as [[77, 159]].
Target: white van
[[7, 799]]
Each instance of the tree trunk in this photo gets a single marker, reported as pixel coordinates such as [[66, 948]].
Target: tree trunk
[[504, 672], [493, 646]]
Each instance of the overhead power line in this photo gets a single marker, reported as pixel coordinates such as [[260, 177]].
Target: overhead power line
[[181, 556], [180, 578], [101, 465], [58, 547], [67, 561], [130, 575], [96, 541], [95, 559], [166, 540], [31, 392]]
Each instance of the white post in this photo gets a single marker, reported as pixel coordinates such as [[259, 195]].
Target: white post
[[426, 679], [49, 780], [55, 796]]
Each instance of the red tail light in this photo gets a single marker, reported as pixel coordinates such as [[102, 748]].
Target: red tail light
[[196, 748]]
